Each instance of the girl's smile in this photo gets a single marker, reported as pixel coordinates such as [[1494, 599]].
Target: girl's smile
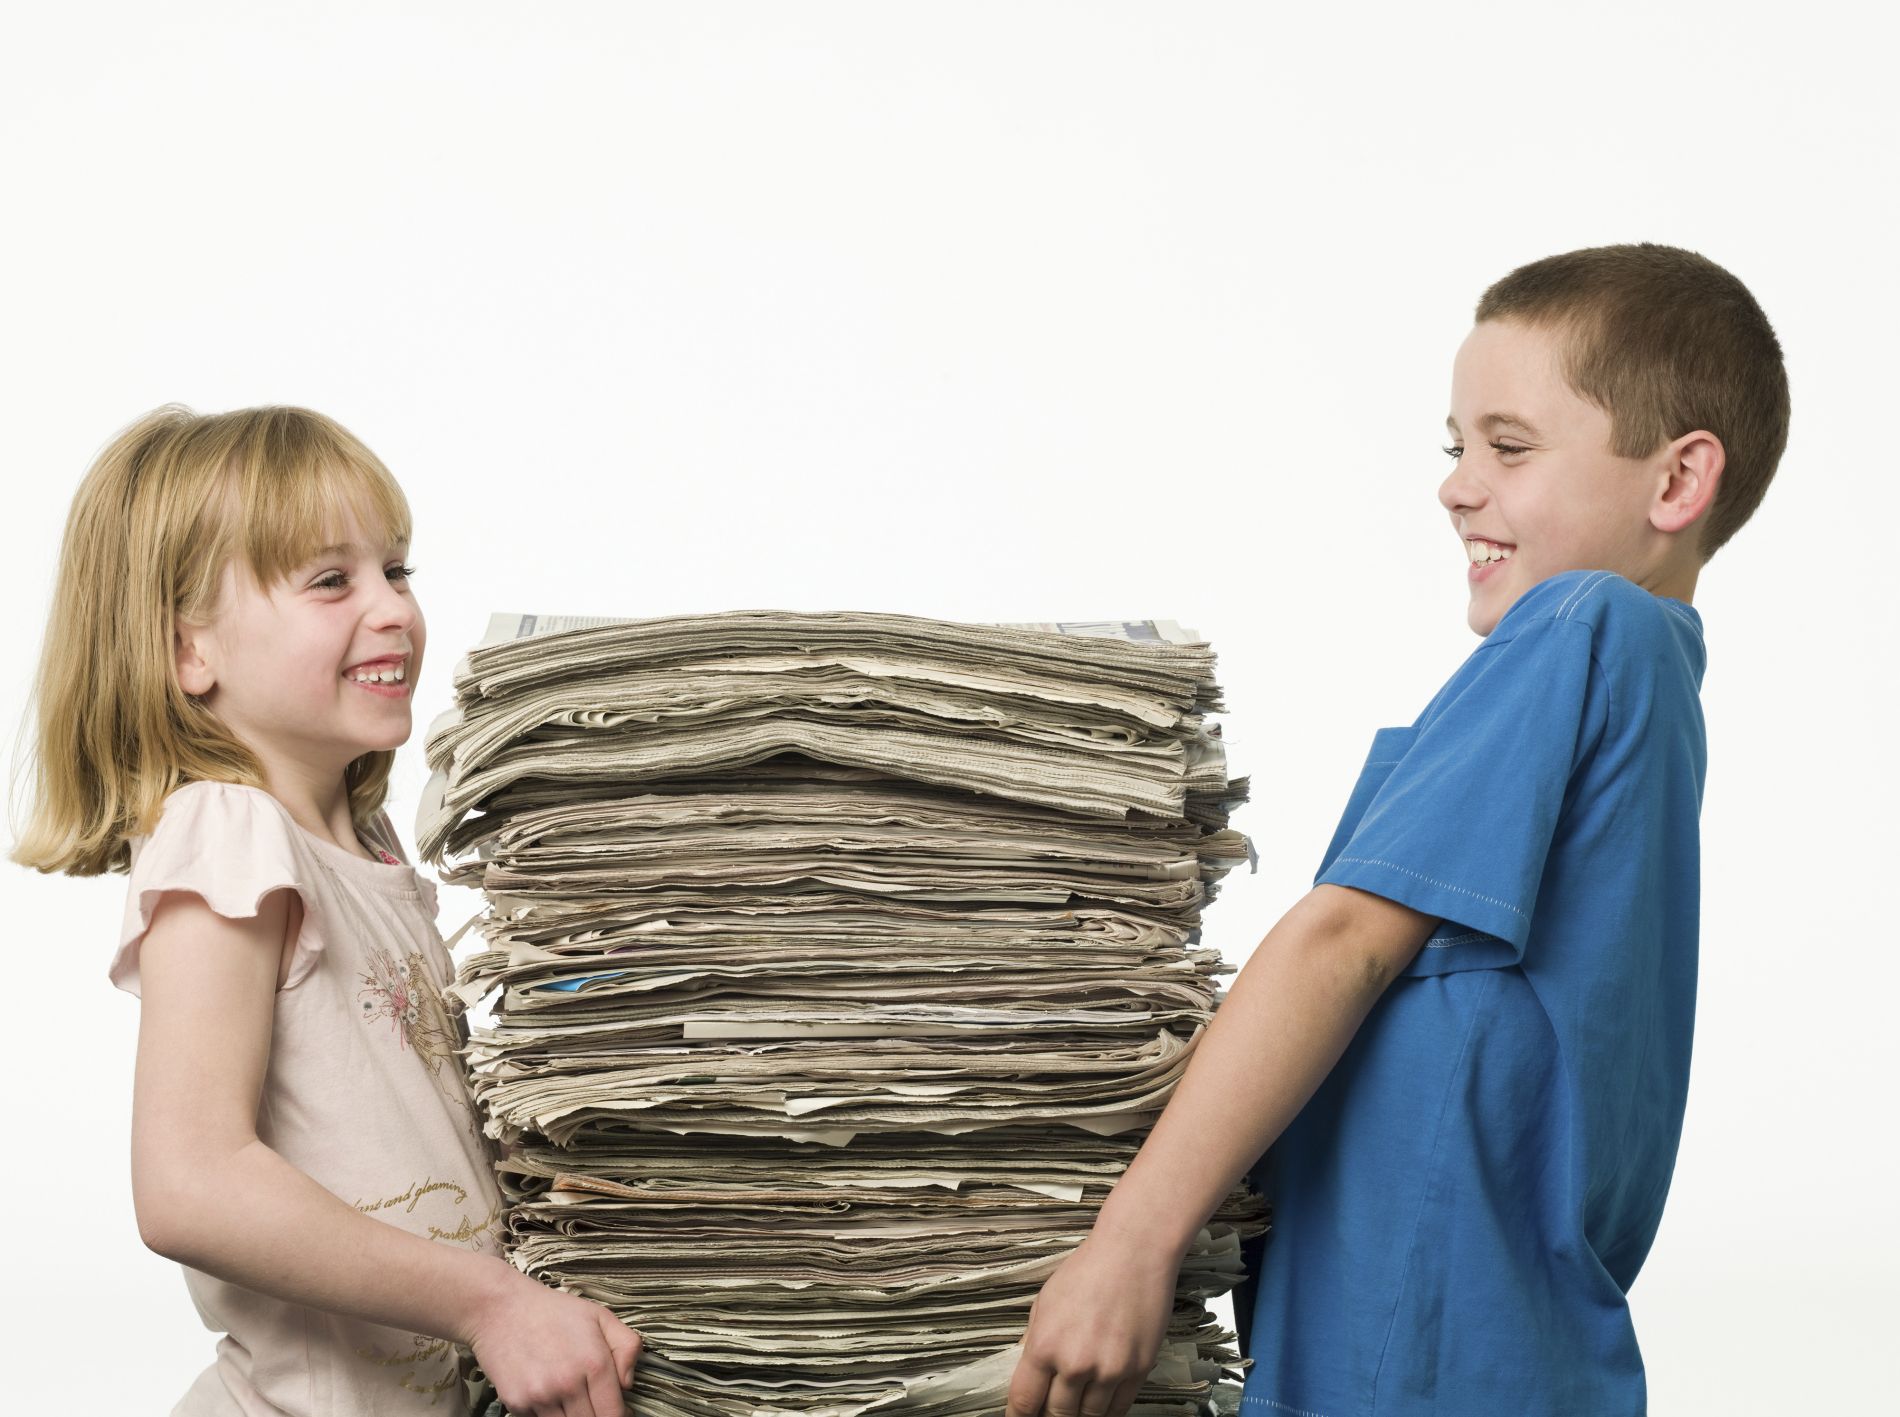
[[387, 677], [397, 690]]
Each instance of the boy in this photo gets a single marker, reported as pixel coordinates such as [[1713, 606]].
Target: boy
[[1469, 1044]]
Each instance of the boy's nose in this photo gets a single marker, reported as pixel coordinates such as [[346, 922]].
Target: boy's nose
[[1460, 491]]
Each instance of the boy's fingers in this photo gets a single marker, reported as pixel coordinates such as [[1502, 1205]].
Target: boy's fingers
[[1065, 1396], [1027, 1387]]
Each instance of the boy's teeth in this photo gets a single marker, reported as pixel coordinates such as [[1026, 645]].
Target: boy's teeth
[[1487, 551], [385, 676]]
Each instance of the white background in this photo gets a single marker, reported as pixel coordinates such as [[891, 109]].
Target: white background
[[1025, 311]]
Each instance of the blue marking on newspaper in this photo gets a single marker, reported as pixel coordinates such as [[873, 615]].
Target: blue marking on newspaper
[[568, 986]]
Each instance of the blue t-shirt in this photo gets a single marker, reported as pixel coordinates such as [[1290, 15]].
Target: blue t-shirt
[[1461, 1206]]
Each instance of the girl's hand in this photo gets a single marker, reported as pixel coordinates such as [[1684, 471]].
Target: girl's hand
[[1094, 1332], [551, 1354]]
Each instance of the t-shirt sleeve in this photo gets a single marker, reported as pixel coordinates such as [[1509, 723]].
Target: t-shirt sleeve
[[1462, 825], [229, 845]]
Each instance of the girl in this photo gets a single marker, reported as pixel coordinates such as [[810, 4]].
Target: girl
[[225, 678]]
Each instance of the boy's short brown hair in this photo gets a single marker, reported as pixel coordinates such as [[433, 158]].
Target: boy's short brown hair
[[1664, 341]]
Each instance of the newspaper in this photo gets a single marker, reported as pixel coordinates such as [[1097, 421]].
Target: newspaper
[[840, 962], [505, 625]]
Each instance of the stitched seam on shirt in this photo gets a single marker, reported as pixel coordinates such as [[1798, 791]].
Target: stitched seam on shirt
[[1431, 1166], [309, 1362], [1296, 1411], [1580, 593], [1681, 615], [1442, 885], [1456, 940]]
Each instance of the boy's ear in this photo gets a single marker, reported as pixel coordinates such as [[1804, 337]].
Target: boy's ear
[[1691, 470]]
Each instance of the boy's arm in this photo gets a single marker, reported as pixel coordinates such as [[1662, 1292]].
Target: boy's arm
[[1096, 1327]]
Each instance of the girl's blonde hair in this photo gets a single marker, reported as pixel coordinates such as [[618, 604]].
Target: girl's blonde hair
[[175, 498]]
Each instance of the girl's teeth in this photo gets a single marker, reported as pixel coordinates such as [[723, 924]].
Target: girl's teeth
[[388, 676]]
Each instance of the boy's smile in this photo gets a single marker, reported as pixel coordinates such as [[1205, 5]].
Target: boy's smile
[[1537, 490]]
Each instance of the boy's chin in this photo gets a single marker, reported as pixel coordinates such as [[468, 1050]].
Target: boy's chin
[[1484, 611]]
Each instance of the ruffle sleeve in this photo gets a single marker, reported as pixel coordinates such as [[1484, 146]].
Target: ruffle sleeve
[[230, 844]]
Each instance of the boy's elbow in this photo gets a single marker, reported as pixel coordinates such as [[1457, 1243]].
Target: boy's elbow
[[1376, 970], [1372, 938], [1360, 970]]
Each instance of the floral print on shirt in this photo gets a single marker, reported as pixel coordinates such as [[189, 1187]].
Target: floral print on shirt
[[397, 987]]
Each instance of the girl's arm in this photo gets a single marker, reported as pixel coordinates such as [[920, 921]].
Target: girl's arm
[[209, 1194], [1096, 1327]]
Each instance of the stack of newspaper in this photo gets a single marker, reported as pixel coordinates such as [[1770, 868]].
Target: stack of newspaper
[[844, 961]]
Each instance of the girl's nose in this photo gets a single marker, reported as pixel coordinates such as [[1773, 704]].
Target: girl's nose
[[397, 605]]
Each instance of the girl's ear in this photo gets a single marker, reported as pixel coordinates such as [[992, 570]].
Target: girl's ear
[[194, 670]]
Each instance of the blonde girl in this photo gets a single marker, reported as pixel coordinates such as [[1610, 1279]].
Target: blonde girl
[[225, 678]]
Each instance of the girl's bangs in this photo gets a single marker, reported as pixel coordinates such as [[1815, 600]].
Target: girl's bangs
[[295, 512]]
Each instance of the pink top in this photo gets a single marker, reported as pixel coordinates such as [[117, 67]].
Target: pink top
[[363, 1092]]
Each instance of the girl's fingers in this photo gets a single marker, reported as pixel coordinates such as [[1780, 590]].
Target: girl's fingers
[[605, 1394], [1124, 1396], [625, 1343], [1097, 1399]]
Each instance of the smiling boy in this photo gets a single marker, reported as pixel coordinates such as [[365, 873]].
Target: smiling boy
[[1468, 1045]]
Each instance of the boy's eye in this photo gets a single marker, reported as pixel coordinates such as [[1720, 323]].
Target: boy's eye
[[336, 580], [1456, 449]]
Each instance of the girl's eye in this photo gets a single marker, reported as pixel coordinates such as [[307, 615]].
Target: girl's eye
[[1453, 452], [336, 580]]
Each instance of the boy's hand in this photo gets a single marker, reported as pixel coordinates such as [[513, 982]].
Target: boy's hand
[[1096, 1328], [553, 1354], [1094, 1331]]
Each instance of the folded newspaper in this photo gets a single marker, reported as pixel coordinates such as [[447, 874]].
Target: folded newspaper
[[841, 963]]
